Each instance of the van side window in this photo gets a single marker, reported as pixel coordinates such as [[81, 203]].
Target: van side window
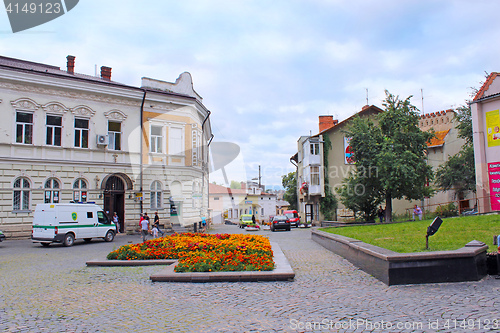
[[90, 215], [102, 218]]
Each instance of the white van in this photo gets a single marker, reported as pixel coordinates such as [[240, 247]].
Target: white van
[[63, 223]]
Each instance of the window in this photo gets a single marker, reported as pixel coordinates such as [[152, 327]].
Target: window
[[81, 133], [175, 141], [315, 148], [52, 190], [90, 215], [21, 194], [54, 130], [216, 198], [114, 133], [24, 127], [156, 195], [315, 175], [156, 139], [80, 190]]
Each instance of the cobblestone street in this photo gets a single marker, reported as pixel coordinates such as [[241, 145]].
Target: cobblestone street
[[52, 290]]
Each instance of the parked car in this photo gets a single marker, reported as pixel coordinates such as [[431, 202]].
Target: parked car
[[2, 236], [280, 222], [293, 216], [245, 219]]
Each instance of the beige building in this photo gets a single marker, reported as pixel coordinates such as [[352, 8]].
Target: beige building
[[75, 137]]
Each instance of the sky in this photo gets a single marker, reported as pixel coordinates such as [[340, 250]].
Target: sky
[[267, 69]]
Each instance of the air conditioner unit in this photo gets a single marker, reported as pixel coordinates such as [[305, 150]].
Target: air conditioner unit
[[102, 140]]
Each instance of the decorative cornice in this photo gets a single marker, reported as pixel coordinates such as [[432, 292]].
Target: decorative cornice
[[115, 115], [25, 104], [83, 111], [69, 94], [55, 107]]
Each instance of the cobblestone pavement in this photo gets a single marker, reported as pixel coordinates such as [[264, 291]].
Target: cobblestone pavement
[[52, 290]]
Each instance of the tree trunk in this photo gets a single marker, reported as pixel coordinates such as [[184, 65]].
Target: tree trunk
[[388, 208]]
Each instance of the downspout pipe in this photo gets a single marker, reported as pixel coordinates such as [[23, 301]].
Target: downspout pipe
[[141, 170], [203, 154]]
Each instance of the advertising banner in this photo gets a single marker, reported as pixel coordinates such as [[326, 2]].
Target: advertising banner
[[347, 151], [493, 128], [494, 174]]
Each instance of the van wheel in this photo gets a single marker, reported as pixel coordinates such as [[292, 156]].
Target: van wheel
[[110, 235], [45, 244], [69, 240]]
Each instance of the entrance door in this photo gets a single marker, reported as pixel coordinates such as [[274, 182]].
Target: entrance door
[[309, 213], [114, 199]]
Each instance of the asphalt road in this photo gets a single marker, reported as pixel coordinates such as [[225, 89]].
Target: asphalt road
[[52, 290]]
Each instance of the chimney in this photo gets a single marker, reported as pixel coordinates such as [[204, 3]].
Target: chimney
[[106, 73], [71, 64], [326, 122]]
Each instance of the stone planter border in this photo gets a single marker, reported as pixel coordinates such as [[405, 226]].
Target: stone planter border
[[282, 271], [392, 268]]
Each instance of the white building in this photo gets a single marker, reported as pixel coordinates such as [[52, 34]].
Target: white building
[[73, 137]]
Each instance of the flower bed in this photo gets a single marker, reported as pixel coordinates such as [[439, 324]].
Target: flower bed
[[203, 252]]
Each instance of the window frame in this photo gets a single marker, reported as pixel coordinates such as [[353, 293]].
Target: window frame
[[80, 131], [78, 190], [25, 134], [23, 193], [114, 136], [156, 195], [157, 139], [52, 190], [53, 129]]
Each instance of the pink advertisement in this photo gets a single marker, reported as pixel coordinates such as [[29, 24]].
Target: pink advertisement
[[494, 173]]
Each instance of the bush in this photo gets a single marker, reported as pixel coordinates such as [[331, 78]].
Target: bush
[[447, 210]]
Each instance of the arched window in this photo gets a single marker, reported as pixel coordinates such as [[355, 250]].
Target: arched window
[[80, 190], [52, 187], [156, 195], [21, 194]]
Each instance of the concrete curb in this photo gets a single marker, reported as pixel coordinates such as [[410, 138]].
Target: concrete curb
[[282, 271]]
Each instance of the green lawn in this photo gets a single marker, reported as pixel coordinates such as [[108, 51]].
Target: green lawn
[[405, 237]]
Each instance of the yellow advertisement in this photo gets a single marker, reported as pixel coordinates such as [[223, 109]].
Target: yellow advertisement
[[493, 128]]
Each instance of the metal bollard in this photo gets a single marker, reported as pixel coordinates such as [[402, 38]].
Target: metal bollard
[[195, 227]]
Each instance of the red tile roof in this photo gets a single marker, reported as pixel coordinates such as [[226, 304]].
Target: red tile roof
[[486, 85], [438, 140]]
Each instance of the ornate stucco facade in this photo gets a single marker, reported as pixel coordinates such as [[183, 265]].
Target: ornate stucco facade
[[73, 137]]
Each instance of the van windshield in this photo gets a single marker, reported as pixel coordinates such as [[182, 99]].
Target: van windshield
[[102, 218], [246, 218], [292, 215]]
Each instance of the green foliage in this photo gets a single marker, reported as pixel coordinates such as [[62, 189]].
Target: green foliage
[[289, 183], [405, 237], [447, 210], [357, 195], [458, 172], [235, 185], [389, 156]]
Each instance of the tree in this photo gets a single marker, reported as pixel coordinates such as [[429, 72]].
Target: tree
[[357, 196], [289, 182], [235, 185], [391, 155], [459, 172]]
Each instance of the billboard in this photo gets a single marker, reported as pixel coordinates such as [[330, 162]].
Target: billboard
[[494, 175]]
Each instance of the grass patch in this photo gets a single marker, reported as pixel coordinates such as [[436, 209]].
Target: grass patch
[[406, 237]]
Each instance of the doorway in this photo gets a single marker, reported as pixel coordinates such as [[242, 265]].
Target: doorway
[[309, 213], [114, 199]]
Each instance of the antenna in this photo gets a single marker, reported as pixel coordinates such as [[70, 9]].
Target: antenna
[[422, 94], [367, 97]]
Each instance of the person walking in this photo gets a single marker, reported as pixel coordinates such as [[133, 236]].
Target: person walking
[[381, 214], [203, 224], [157, 224], [116, 221], [145, 229]]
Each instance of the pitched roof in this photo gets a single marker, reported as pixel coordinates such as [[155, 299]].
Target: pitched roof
[[218, 189], [365, 109], [486, 85], [438, 140]]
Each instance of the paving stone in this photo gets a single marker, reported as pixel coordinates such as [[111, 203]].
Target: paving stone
[[52, 290]]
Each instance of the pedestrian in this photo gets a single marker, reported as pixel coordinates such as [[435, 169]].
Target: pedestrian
[[381, 214], [145, 230], [157, 223], [203, 224], [116, 221], [146, 217], [417, 211]]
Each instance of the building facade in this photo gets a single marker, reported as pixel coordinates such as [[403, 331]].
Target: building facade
[[74, 137], [486, 136]]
